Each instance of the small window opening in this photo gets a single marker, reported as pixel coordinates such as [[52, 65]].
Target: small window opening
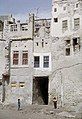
[[64, 8], [67, 51], [37, 43], [55, 9], [67, 42], [42, 42], [13, 84], [15, 57], [46, 61], [77, 5], [36, 61], [0, 83], [21, 84], [76, 43], [55, 19]]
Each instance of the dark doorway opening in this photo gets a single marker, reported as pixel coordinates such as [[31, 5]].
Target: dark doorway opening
[[40, 90]]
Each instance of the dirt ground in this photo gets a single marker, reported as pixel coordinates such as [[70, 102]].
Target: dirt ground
[[34, 112]]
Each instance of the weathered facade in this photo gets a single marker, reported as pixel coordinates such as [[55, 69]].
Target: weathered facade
[[66, 28], [42, 58]]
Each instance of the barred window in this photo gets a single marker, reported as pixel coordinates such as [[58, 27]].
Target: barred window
[[25, 58], [46, 61], [15, 57], [64, 25], [76, 23]]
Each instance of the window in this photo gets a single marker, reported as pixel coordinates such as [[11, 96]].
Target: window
[[36, 61], [25, 58], [42, 42], [55, 19], [76, 23], [76, 43], [67, 51], [77, 5], [64, 8], [21, 84], [64, 25], [37, 43], [67, 42], [46, 61], [24, 27], [13, 27], [55, 9], [15, 57], [36, 30], [1, 27], [13, 84]]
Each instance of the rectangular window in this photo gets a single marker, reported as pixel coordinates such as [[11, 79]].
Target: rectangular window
[[36, 61], [67, 42], [1, 27], [13, 27], [55, 19], [24, 57], [77, 5], [76, 43], [55, 9], [46, 61], [67, 51], [21, 84], [15, 57], [64, 25], [13, 84], [76, 23]]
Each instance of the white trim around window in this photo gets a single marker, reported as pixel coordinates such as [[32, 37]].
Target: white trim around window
[[41, 64]]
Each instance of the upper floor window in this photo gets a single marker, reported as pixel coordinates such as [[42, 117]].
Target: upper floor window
[[64, 25], [1, 27], [13, 84], [24, 27], [67, 51], [67, 42], [15, 57], [55, 9], [76, 43], [55, 19], [77, 5], [46, 61], [76, 23], [36, 61], [13, 27], [24, 57], [21, 84]]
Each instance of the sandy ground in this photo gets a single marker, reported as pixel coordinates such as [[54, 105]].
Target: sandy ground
[[34, 112]]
